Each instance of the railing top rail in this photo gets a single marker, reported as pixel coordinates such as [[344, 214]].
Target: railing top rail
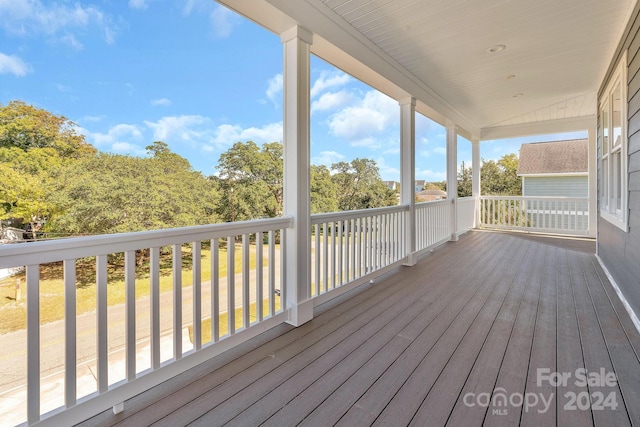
[[12, 255], [585, 199], [360, 213], [434, 202]]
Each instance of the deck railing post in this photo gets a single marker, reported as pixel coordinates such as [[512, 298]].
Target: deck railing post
[[296, 88], [452, 176], [476, 189], [408, 174]]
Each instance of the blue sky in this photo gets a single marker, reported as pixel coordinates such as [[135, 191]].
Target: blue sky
[[198, 77]]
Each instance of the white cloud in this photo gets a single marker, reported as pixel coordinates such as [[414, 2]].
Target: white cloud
[[329, 80], [331, 101], [363, 123], [222, 19], [93, 119], [274, 88], [387, 172], [11, 64], [230, 134], [127, 148], [163, 102], [185, 128], [440, 150], [118, 138], [139, 4], [56, 20], [327, 158], [430, 175]]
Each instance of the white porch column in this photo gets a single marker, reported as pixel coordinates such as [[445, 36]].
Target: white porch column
[[408, 173], [296, 43], [593, 181], [476, 165], [452, 177]]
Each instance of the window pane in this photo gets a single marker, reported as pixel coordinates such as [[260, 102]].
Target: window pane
[[616, 118], [605, 184], [617, 177], [604, 129]]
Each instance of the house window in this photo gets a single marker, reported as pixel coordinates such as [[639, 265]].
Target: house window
[[613, 148]]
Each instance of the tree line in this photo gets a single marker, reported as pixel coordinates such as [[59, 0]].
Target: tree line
[[54, 181]]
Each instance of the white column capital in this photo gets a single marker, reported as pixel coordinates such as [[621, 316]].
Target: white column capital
[[297, 32], [408, 100]]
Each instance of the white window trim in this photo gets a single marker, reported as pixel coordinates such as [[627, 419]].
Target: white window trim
[[608, 212]]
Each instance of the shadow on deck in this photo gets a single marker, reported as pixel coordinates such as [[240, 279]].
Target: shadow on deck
[[472, 335]]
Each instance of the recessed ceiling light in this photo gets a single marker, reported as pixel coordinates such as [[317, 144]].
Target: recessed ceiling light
[[518, 95], [497, 48]]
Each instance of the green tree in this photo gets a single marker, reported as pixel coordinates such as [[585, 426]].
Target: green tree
[[250, 181], [324, 192], [465, 181], [500, 177], [359, 185], [26, 127], [27, 179], [112, 193]]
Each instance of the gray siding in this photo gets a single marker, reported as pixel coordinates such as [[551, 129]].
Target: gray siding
[[620, 250], [556, 186]]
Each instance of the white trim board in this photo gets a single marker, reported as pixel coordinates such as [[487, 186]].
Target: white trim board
[[623, 299]]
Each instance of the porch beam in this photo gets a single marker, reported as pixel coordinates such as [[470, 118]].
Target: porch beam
[[452, 177], [408, 173], [296, 87], [574, 124]]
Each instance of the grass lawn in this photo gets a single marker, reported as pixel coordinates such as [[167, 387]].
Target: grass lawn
[[13, 312]]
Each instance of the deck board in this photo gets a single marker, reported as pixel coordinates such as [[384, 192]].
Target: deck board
[[480, 314]]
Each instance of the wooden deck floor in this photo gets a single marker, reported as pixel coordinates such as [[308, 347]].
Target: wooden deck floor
[[493, 315]]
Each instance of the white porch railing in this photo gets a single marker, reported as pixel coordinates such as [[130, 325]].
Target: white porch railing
[[466, 213], [350, 247], [200, 312], [560, 215], [242, 301], [433, 223]]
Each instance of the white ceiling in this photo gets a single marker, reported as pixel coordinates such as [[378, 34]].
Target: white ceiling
[[557, 52]]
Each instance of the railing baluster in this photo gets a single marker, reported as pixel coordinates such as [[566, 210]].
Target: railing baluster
[[316, 288], [272, 273], [130, 307], [325, 256], [215, 290], [101, 323], [197, 295], [352, 252], [259, 279], [340, 253], [231, 285], [333, 254], [347, 250], [33, 343], [246, 283], [70, 370], [283, 270], [177, 301], [154, 273]]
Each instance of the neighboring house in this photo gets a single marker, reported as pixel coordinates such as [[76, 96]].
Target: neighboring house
[[392, 185], [430, 195], [558, 168], [419, 185]]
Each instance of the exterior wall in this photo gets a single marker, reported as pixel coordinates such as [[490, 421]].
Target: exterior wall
[[556, 186], [620, 250]]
